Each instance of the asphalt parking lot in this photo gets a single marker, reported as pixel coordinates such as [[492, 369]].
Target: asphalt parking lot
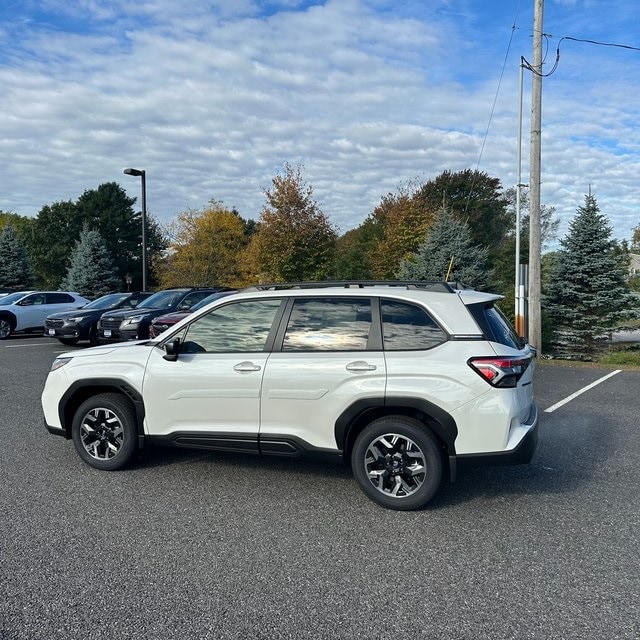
[[204, 545]]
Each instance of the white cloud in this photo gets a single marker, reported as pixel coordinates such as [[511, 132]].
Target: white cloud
[[211, 98]]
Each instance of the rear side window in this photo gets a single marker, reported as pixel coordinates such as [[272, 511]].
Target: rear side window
[[328, 324], [501, 328], [58, 298], [407, 327]]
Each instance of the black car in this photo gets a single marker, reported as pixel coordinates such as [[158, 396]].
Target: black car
[[72, 326], [118, 326]]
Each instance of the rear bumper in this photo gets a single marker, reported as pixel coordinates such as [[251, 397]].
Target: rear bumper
[[521, 449]]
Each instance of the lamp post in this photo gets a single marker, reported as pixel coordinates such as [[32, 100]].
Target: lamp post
[[142, 174]]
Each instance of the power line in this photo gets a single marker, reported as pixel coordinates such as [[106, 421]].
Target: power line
[[493, 108], [557, 60]]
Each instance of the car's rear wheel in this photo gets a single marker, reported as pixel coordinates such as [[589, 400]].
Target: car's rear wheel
[[104, 431], [397, 462]]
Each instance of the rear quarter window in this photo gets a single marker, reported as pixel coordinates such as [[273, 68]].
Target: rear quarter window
[[406, 327], [500, 329]]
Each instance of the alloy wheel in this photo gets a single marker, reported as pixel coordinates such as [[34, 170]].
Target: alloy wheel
[[101, 433], [395, 465]]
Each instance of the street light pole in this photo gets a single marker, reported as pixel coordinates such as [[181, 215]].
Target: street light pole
[[143, 177]]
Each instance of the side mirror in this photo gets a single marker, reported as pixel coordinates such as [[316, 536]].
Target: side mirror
[[172, 350]]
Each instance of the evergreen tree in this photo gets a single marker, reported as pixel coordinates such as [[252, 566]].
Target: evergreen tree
[[448, 252], [91, 272], [15, 270], [586, 295]]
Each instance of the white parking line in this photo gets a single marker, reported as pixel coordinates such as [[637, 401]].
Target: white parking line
[[32, 344], [557, 405]]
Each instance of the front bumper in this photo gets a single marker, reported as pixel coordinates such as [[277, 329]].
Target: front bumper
[[116, 335], [69, 333]]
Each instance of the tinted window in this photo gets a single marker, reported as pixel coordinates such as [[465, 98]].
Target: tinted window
[[239, 327], [407, 327], [501, 328], [328, 324], [59, 298]]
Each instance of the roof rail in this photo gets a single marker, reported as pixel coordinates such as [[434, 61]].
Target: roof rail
[[436, 285]]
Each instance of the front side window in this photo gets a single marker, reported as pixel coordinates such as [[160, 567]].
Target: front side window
[[407, 327], [238, 327], [34, 298], [328, 324]]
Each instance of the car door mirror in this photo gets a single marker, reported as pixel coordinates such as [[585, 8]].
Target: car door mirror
[[172, 349]]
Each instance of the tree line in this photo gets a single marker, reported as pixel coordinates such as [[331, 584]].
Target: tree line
[[459, 226]]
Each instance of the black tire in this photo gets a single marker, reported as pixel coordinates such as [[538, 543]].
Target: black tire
[[93, 334], [69, 341], [6, 328], [104, 431], [397, 462]]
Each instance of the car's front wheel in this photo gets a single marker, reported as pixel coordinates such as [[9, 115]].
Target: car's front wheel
[[104, 431], [5, 328], [397, 462]]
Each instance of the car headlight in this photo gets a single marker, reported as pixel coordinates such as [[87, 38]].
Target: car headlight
[[59, 362], [73, 320], [133, 320]]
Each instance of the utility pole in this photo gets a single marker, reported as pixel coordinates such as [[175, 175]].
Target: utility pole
[[535, 317]]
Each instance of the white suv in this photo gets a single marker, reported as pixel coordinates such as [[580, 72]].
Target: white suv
[[28, 310], [403, 380]]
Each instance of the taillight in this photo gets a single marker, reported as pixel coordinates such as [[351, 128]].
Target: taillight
[[500, 372]]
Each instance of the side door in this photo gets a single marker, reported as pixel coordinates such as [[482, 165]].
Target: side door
[[210, 395], [327, 356], [33, 311]]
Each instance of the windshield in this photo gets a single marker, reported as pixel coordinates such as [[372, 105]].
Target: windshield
[[210, 298], [12, 297], [161, 300], [109, 301]]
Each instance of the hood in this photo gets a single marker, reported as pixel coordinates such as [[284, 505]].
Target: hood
[[121, 314], [104, 349], [172, 318], [78, 313]]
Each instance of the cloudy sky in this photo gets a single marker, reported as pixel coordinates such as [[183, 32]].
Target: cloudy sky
[[212, 97]]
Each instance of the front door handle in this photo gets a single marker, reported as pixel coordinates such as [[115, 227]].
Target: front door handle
[[245, 366], [360, 365]]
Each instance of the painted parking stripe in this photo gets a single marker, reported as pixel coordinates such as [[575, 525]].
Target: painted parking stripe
[[557, 405], [20, 346]]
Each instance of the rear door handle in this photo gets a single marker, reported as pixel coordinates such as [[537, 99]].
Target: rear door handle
[[246, 366], [360, 365]]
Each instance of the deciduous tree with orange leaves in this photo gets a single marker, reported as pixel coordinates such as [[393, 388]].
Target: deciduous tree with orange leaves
[[295, 240]]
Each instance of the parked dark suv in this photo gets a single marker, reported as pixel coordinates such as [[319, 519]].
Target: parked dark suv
[[133, 324], [72, 326]]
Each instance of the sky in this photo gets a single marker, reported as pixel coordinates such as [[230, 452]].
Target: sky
[[212, 97]]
